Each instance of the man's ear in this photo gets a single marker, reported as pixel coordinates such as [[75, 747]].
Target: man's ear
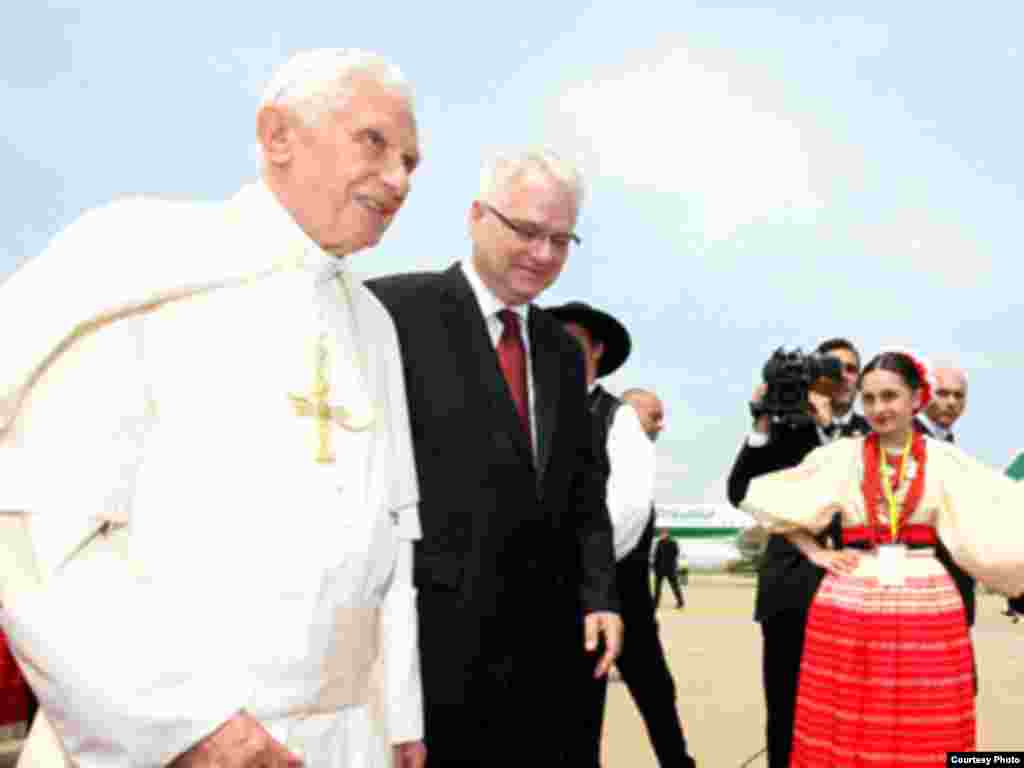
[[598, 348], [473, 217], [275, 134]]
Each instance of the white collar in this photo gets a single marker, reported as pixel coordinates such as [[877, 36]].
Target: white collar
[[938, 431], [843, 421], [490, 305], [275, 226]]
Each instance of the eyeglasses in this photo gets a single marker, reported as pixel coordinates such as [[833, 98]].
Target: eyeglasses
[[531, 232]]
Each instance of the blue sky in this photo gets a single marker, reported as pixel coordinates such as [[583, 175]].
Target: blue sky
[[757, 175]]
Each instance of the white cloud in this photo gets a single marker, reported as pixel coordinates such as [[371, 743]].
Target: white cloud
[[671, 475], [922, 244], [679, 122]]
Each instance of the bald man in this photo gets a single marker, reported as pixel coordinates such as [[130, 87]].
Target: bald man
[[649, 408], [949, 400], [642, 663]]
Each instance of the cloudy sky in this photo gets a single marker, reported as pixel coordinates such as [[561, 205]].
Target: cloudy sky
[[759, 175]]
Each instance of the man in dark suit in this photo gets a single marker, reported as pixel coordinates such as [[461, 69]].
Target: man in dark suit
[[949, 399], [515, 570], [786, 580], [666, 566]]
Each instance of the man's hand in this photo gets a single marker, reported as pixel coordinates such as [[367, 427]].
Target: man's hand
[[410, 754], [609, 625], [241, 742], [821, 408], [763, 423]]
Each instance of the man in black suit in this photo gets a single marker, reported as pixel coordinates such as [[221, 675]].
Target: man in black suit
[[666, 566], [786, 580], [515, 570], [949, 400], [947, 404]]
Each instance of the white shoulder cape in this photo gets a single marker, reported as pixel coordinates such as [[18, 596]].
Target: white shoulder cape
[[978, 511]]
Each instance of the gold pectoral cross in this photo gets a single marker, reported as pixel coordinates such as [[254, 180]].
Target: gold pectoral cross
[[318, 406]]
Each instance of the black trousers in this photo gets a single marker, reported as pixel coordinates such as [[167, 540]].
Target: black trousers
[[783, 647], [501, 700], [645, 672], [673, 581]]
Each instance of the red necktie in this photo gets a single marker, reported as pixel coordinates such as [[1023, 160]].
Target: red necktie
[[512, 357]]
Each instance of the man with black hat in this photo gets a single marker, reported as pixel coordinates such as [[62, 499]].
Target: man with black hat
[[605, 344]]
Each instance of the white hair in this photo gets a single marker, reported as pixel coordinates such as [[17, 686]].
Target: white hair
[[505, 167], [316, 82]]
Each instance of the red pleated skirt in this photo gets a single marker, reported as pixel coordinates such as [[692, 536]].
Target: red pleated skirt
[[886, 679], [14, 693]]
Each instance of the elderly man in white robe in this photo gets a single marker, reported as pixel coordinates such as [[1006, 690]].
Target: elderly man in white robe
[[208, 499]]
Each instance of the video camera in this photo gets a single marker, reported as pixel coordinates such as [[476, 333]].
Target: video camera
[[789, 376]]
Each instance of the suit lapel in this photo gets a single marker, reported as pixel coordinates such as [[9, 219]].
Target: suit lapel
[[547, 385], [478, 360]]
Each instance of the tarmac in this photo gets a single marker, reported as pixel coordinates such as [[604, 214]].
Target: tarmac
[[714, 650]]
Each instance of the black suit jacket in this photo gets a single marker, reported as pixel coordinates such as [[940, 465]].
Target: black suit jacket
[[786, 580], [964, 583], [666, 557], [513, 550]]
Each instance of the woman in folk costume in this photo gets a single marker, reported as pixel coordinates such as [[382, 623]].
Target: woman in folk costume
[[886, 677]]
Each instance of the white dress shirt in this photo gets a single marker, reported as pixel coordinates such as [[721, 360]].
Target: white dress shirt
[[631, 482], [839, 422], [490, 306], [758, 439], [938, 431]]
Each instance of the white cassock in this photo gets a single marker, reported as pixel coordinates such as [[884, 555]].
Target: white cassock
[[259, 579]]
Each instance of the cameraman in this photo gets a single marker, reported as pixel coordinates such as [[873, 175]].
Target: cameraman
[[786, 580]]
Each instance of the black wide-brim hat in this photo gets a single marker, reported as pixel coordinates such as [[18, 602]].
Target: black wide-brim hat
[[603, 328]]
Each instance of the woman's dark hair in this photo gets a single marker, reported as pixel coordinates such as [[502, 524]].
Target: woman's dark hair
[[894, 362]]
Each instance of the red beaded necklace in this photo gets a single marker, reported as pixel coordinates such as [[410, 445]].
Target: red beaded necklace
[[875, 495]]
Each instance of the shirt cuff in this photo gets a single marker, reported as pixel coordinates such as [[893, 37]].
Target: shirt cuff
[[757, 439]]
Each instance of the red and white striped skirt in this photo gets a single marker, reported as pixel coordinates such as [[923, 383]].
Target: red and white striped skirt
[[886, 678]]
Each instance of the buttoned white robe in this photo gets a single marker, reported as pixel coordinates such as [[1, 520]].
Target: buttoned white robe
[[260, 579]]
